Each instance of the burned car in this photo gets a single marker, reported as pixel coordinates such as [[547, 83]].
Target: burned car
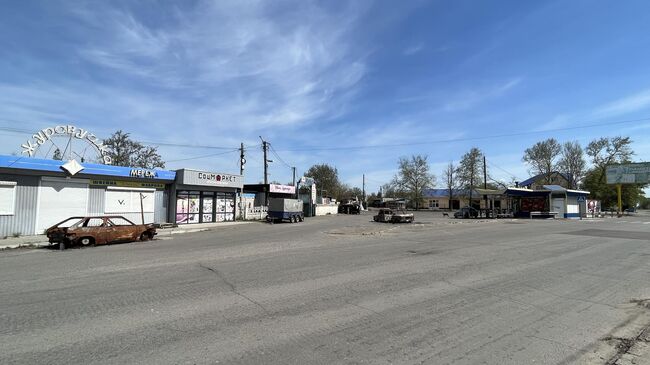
[[98, 230], [386, 215], [350, 207]]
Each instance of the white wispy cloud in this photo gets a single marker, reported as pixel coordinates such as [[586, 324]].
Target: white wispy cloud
[[292, 67], [413, 49], [469, 98], [628, 104]]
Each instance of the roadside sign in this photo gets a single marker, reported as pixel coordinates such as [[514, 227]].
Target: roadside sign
[[581, 199], [633, 173]]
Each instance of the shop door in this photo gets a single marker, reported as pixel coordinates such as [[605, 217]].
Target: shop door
[[60, 200], [558, 206]]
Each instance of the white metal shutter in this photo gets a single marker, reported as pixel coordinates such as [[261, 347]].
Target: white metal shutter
[[7, 197], [60, 200], [558, 206], [126, 202]]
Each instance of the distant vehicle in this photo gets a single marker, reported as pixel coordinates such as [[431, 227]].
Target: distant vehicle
[[386, 215], [350, 207], [466, 212], [99, 230], [285, 209]]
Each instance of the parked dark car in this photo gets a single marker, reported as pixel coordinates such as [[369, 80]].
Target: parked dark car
[[99, 230], [466, 212]]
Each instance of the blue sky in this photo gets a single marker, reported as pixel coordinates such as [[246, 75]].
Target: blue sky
[[418, 77]]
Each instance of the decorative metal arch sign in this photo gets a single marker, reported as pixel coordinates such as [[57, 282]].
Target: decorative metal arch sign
[[45, 135]]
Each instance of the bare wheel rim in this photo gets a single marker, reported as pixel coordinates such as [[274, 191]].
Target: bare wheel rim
[[86, 241]]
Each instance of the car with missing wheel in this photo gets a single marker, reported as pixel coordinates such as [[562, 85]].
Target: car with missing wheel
[[99, 230], [386, 215]]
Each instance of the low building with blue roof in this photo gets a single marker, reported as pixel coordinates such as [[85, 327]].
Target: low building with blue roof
[[38, 193]]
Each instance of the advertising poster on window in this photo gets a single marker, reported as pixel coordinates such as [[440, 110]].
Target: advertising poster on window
[[193, 204], [181, 210], [230, 208], [208, 217]]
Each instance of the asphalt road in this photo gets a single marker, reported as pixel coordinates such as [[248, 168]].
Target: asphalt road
[[331, 290]]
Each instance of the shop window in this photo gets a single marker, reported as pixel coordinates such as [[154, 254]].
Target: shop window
[[7, 197], [187, 207], [225, 209], [207, 207], [433, 204], [204, 207]]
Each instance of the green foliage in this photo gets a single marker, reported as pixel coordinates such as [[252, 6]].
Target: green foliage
[[644, 202], [631, 193], [126, 152], [607, 151], [327, 180], [57, 155]]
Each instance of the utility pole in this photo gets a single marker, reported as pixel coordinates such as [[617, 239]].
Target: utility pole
[[265, 148], [242, 160], [485, 186], [363, 188], [295, 193]]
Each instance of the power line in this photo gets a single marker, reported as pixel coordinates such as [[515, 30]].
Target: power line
[[326, 148], [504, 170], [167, 144], [275, 153], [203, 156]]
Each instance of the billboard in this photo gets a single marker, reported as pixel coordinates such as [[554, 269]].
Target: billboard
[[633, 173]]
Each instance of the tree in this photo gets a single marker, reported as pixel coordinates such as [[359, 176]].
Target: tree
[[57, 155], [572, 163], [413, 176], [631, 194], [126, 152], [607, 151], [326, 178], [451, 180], [469, 170], [541, 158]]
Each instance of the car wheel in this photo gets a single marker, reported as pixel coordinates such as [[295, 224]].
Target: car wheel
[[301, 218], [145, 236], [86, 241]]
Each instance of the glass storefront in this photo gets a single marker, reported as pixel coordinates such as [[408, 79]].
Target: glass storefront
[[204, 207]]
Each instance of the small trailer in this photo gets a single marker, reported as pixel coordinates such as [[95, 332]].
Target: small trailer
[[285, 209]]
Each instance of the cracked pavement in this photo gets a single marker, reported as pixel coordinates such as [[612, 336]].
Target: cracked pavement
[[338, 290]]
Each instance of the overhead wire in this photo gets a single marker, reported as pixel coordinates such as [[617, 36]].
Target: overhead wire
[[203, 156], [275, 153], [328, 148], [502, 169]]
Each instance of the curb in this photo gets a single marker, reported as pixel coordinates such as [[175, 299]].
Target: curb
[[38, 241]]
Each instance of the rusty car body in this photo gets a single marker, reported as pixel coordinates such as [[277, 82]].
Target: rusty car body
[[99, 230], [386, 215]]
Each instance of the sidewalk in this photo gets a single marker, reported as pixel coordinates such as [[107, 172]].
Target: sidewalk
[[165, 233]]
